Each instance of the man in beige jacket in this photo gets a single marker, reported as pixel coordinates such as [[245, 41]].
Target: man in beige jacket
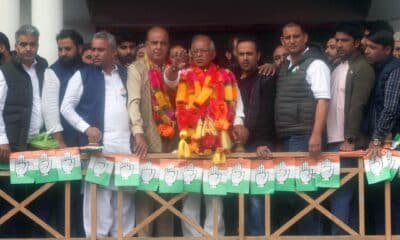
[[143, 125]]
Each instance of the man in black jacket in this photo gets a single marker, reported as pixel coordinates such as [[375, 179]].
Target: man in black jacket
[[258, 94], [21, 81]]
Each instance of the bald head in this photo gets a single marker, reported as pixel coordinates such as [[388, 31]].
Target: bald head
[[202, 50], [157, 44], [158, 30]]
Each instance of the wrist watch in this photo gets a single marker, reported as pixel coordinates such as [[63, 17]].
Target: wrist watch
[[376, 142]]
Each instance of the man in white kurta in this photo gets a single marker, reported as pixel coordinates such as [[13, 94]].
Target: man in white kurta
[[103, 85]]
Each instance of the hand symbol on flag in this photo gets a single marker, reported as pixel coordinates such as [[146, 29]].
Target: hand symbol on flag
[[44, 165], [282, 172], [376, 165], [170, 174], [189, 173], [305, 173], [126, 169], [326, 169], [237, 175], [99, 167], [261, 176], [214, 177], [147, 172], [67, 163], [21, 166]]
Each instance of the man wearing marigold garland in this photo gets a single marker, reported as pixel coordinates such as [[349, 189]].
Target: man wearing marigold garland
[[209, 109], [152, 116]]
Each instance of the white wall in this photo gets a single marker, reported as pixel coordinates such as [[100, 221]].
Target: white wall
[[388, 10]]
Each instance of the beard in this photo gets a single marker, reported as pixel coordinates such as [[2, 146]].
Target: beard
[[126, 59], [71, 61]]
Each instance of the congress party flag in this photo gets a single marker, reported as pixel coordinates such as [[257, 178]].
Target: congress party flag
[[21, 164], [214, 178], [100, 170], [149, 174], [68, 163], [126, 173], [262, 180], [285, 174], [192, 175], [377, 169], [305, 176], [328, 174], [393, 159], [238, 175], [171, 176]]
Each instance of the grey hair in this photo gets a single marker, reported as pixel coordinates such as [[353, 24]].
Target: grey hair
[[106, 36], [396, 36], [27, 30], [206, 37]]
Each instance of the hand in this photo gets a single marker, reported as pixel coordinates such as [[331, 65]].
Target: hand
[[373, 150], [179, 60], [267, 69], [240, 134], [347, 147], [263, 152], [93, 134], [314, 146], [4, 152], [140, 145]]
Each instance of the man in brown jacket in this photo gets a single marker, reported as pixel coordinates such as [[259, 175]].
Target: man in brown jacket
[[351, 84], [143, 124]]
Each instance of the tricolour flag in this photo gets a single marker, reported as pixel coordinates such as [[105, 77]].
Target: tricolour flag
[[377, 169], [328, 174], [262, 180], [171, 176], [126, 173], [100, 170], [68, 163], [214, 178], [47, 166], [149, 174], [285, 174], [20, 165], [393, 159], [192, 175], [305, 176], [238, 175]]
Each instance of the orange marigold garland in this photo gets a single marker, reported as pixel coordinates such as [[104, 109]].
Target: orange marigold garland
[[205, 104], [163, 110]]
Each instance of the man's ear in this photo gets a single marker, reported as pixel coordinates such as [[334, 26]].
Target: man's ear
[[388, 50]]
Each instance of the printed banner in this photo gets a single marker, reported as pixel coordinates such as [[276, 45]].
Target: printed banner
[[393, 159], [285, 174], [20, 165], [68, 164], [305, 176], [47, 167], [328, 174], [377, 169], [126, 171], [262, 179], [149, 174], [214, 178], [238, 175], [100, 170], [171, 176], [192, 175]]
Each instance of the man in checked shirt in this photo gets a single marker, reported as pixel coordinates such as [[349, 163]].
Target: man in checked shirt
[[383, 116]]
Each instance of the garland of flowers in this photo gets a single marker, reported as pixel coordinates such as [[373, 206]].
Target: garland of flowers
[[205, 109], [163, 110]]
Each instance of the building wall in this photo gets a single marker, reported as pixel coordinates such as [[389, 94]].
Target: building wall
[[388, 10]]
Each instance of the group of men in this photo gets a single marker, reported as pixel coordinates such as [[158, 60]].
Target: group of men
[[127, 107]]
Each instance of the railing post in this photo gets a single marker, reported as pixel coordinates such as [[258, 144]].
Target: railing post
[[361, 196], [67, 210], [241, 216], [267, 215], [120, 205], [388, 213], [93, 200], [215, 216]]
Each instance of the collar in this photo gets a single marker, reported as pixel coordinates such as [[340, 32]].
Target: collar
[[115, 70], [31, 67], [290, 59]]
